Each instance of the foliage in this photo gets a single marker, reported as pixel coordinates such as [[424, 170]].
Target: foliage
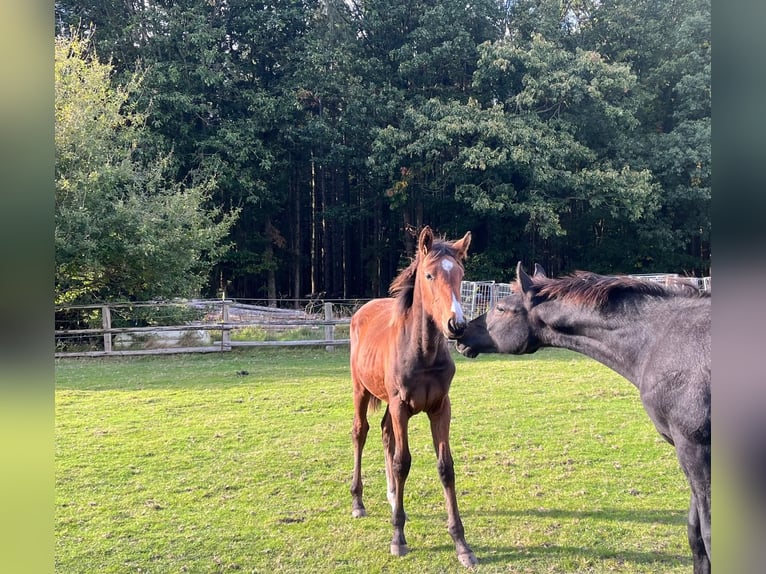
[[242, 462], [125, 229], [669, 48], [575, 134]]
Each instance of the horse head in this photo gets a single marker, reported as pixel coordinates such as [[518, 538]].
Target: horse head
[[507, 327], [439, 275]]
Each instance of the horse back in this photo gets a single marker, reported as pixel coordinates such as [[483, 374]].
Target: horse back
[[676, 376], [681, 340]]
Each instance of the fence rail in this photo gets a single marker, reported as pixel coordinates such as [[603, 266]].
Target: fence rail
[[198, 326]]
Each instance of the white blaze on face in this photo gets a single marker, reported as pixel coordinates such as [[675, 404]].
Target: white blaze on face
[[457, 310], [447, 265]]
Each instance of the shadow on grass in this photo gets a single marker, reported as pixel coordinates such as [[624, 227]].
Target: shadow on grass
[[551, 552], [672, 517], [677, 517], [500, 554]]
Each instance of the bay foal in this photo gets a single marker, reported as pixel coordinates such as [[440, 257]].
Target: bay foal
[[399, 355]]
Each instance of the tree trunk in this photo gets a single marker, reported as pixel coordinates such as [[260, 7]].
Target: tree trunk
[[314, 231], [297, 238], [271, 278], [325, 252]]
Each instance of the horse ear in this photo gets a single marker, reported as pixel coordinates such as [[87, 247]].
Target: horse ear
[[425, 241], [539, 271], [524, 281], [461, 245]]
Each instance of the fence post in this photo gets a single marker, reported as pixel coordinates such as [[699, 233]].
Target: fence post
[[106, 323], [329, 330], [225, 329]]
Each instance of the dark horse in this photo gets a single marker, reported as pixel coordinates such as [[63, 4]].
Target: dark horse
[[399, 355], [656, 337]]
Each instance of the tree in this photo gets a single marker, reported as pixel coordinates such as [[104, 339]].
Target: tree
[[667, 44], [124, 229], [416, 55], [541, 146], [571, 133]]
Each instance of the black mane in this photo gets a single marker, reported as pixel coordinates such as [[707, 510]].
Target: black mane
[[600, 291]]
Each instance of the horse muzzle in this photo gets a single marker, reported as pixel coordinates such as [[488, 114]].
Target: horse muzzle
[[466, 351], [455, 329]]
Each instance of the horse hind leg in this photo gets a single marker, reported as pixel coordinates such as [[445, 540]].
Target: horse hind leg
[[387, 434], [359, 437]]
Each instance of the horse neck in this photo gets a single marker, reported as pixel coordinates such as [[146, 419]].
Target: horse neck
[[614, 341], [420, 332]]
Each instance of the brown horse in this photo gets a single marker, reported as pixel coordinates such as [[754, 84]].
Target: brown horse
[[399, 355]]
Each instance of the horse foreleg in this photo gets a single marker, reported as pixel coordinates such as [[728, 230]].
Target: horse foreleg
[[700, 555], [401, 461], [695, 462], [359, 437], [440, 423]]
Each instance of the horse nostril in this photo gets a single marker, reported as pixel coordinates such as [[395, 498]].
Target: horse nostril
[[455, 328]]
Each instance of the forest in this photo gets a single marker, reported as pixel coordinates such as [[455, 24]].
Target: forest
[[291, 148]]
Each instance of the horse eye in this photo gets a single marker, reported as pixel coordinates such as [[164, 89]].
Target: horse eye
[[429, 277], [500, 309]]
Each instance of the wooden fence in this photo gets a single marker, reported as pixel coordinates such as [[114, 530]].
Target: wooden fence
[[215, 326], [205, 326]]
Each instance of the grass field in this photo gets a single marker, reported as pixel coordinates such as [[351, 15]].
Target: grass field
[[241, 462]]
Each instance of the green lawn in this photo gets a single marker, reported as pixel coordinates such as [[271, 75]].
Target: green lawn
[[242, 462]]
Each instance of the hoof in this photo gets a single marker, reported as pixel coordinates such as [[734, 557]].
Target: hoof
[[468, 559], [399, 549], [358, 512]]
